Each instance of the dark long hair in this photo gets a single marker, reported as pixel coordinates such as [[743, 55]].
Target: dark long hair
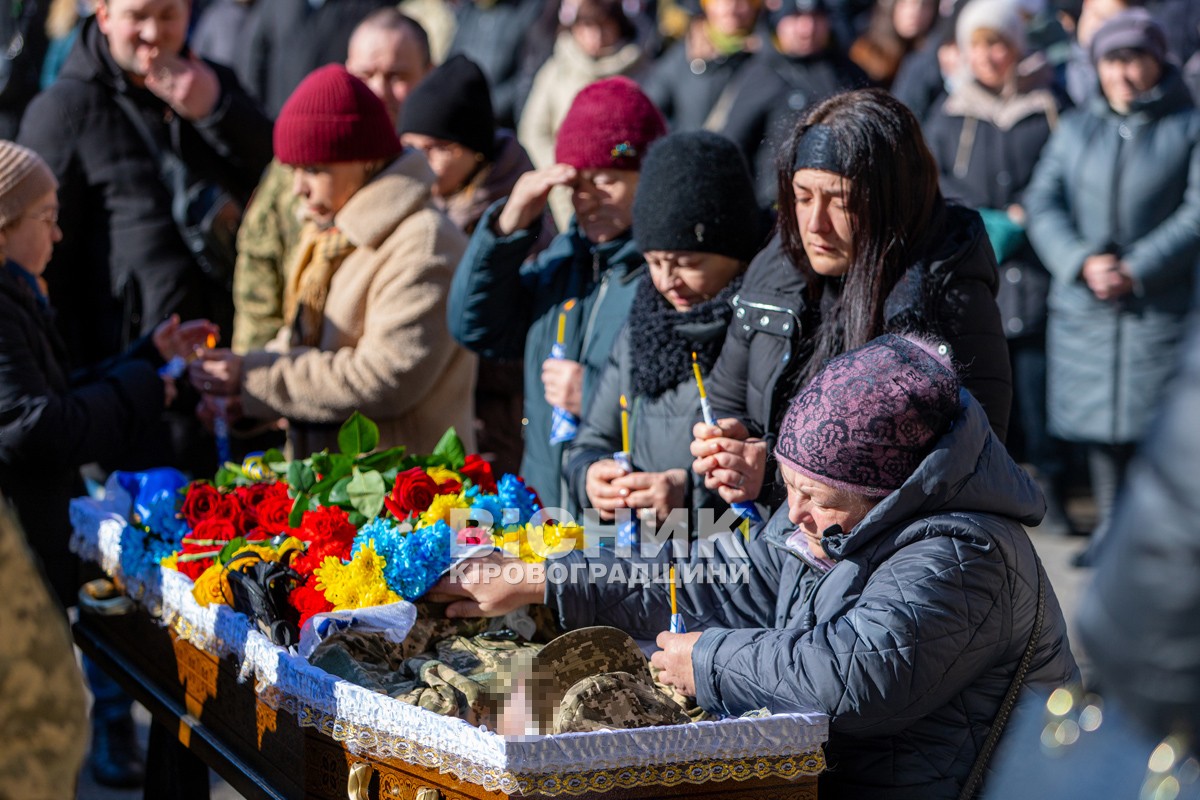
[[894, 203]]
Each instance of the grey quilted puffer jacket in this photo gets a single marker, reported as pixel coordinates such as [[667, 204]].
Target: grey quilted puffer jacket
[[909, 643]]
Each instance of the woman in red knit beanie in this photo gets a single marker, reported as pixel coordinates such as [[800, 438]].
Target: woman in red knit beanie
[[366, 298], [502, 306]]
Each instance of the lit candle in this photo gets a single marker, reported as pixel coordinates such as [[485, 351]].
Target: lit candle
[[674, 607], [677, 623], [705, 406], [624, 425], [211, 341], [562, 320]]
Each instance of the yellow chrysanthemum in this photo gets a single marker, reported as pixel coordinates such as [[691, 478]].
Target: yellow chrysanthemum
[[536, 543], [358, 584], [441, 509], [171, 562], [212, 586], [441, 475]]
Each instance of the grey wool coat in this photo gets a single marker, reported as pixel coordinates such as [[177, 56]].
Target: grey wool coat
[[1128, 185], [909, 643]]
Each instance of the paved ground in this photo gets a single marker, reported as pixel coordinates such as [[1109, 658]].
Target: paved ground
[[1056, 552]]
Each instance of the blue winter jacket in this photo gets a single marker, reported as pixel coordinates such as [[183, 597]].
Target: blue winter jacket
[[909, 643], [503, 306]]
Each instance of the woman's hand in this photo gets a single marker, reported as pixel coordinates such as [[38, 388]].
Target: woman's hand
[[217, 372], [563, 380], [490, 586], [172, 338], [675, 660], [733, 464], [604, 496], [661, 491], [529, 196]]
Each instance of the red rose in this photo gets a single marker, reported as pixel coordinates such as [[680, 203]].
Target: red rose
[[327, 523], [252, 496], [480, 473], [202, 502], [308, 601], [449, 486], [413, 493], [212, 529], [273, 512]]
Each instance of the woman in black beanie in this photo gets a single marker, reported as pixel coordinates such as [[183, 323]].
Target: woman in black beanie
[[698, 225]]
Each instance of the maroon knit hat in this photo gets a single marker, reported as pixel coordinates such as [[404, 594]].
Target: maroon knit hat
[[870, 416], [610, 125], [334, 117]]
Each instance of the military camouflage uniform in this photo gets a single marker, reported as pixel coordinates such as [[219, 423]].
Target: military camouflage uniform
[[586, 680], [269, 233], [43, 709]]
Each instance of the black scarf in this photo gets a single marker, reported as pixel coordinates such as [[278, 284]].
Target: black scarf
[[665, 338]]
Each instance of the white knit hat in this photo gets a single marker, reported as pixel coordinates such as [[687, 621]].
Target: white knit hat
[[1001, 16], [24, 177]]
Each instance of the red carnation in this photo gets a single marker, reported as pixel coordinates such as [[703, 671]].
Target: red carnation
[[480, 473], [308, 601], [413, 493], [194, 569], [327, 523], [305, 563]]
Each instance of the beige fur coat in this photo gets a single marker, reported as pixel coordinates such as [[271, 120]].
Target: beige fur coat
[[384, 348]]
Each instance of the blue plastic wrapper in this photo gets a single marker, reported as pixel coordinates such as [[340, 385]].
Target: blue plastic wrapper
[[563, 424], [156, 497]]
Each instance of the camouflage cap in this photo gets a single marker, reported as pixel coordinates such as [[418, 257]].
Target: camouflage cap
[[585, 652], [615, 700]]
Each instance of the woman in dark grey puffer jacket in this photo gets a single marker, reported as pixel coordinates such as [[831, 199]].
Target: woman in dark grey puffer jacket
[[697, 224], [897, 593]]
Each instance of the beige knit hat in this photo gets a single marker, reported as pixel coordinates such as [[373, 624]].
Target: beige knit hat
[[24, 177]]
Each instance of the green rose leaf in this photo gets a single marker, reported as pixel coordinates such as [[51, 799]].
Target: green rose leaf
[[449, 451], [300, 476], [358, 435], [275, 460], [226, 477], [366, 490], [231, 549], [298, 509], [339, 494]]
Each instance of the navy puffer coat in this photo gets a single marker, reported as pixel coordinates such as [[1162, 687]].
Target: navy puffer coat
[[909, 643]]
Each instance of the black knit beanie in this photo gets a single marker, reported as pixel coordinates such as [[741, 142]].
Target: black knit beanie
[[696, 194], [453, 103]]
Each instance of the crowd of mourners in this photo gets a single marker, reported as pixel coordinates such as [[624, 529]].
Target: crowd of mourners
[[933, 262]]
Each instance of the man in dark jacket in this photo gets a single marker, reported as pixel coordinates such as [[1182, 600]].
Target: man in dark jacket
[[897, 592], [123, 265], [493, 35], [801, 67], [1114, 214], [577, 292]]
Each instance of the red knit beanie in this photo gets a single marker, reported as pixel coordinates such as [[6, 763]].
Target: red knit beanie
[[334, 117], [610, 125]]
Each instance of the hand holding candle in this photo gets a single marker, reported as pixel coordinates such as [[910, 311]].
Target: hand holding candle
[[677, 624], [563, 380], [746, 509], [179, 343]]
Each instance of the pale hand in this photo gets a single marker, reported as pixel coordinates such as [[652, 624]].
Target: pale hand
[[529, 196], [563, 380], [185, 83], [732, 463], [217, 372], [675, 660], [604, 496], [172, 338], [210, 406], [491, 586], [1106, 276], [661, 491]]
